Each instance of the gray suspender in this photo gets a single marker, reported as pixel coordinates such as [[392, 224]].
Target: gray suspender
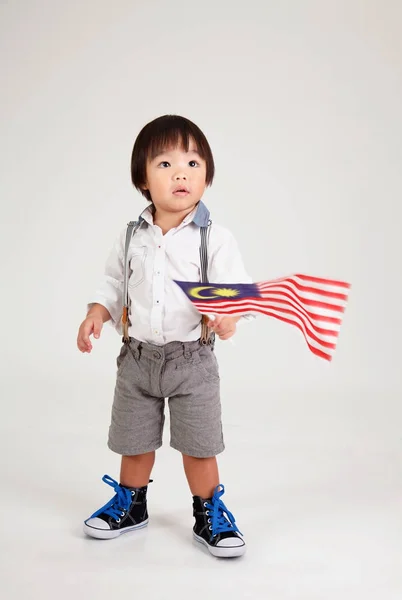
[[206, 335], [204, 254], [131, 229]]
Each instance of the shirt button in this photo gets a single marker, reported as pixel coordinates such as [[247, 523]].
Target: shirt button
[[157, 355]]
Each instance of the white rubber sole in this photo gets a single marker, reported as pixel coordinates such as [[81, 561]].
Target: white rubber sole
[[109, 534], [222, 552]]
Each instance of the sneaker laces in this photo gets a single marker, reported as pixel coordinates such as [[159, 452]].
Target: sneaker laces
[[222, 519], [119, 503]]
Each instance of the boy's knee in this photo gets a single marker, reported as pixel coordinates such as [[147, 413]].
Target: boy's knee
[[189, 457]]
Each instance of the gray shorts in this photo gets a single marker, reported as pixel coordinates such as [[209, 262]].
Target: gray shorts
[[184, 372]]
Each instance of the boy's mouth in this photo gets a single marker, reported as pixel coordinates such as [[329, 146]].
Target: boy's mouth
[[181, 191]]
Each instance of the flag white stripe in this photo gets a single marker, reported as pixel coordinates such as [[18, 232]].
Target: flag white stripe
[[333, 331], [244, 303], [299, 295], [277, 298], [332, 287], [296, 320]]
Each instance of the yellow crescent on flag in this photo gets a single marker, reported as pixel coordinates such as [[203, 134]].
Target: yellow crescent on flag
[[195, 292], [218, 292]]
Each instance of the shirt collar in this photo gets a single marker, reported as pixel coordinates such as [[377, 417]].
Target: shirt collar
[[199, 216]]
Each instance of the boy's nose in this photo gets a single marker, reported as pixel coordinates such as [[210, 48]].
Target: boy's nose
[[180, 175]]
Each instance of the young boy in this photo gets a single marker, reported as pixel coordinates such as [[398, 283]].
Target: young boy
[[164, 354]]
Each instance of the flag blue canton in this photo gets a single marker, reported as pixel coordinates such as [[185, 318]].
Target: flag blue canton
[[209, 292]]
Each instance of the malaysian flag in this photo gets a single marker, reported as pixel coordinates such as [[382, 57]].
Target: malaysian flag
[[312, 304]]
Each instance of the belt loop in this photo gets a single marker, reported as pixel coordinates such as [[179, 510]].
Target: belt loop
[[186, 352], [136, 348]]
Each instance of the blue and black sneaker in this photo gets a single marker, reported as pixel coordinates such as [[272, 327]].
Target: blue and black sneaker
[[215, 526], [126, 511]]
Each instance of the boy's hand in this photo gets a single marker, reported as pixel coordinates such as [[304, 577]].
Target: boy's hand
[[224, 327], [92, 325]]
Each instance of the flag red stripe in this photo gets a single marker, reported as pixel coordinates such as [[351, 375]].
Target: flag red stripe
[[319, 352], [316, 316], [260, 309], [295, 296], [315, 350], [342, 284], [304, 288], [317, 329], [222, 308], [319, 280], [299, 306], [267, 297]]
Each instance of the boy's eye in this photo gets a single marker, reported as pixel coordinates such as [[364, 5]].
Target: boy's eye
[[165, 164]]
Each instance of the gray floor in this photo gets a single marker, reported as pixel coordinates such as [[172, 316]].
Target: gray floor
[[315, 486]]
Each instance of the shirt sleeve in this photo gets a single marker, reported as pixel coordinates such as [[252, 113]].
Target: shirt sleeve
[[226, 263], [110, 290]]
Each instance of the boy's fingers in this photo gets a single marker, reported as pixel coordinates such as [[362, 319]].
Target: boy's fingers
[[97, 329], [222, 329], [215, 324], [83, 340], [224, 335], [85, 337], [83, 347]]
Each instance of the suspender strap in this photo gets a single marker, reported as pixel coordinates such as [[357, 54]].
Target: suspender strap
[[204, 254], [206, 336], [131, 229]]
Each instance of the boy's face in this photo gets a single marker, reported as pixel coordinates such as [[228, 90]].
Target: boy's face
[[176, 179]]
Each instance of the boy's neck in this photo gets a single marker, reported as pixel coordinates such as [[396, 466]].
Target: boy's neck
[[170, 220]]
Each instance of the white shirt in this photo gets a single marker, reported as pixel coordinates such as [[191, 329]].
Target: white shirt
[[160, 311]]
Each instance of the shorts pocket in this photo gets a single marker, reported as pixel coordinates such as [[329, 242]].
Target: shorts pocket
[[205, 361], [121, 360]]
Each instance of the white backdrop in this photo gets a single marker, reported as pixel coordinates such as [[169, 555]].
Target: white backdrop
[[301, 103]]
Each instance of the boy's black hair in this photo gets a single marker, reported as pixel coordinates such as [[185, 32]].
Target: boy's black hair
[[159, 135]]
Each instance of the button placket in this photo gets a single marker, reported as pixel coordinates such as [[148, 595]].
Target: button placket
[[158, 290]]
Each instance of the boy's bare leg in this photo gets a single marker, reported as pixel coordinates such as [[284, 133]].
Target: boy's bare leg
[[136, 470], [202, 475]]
